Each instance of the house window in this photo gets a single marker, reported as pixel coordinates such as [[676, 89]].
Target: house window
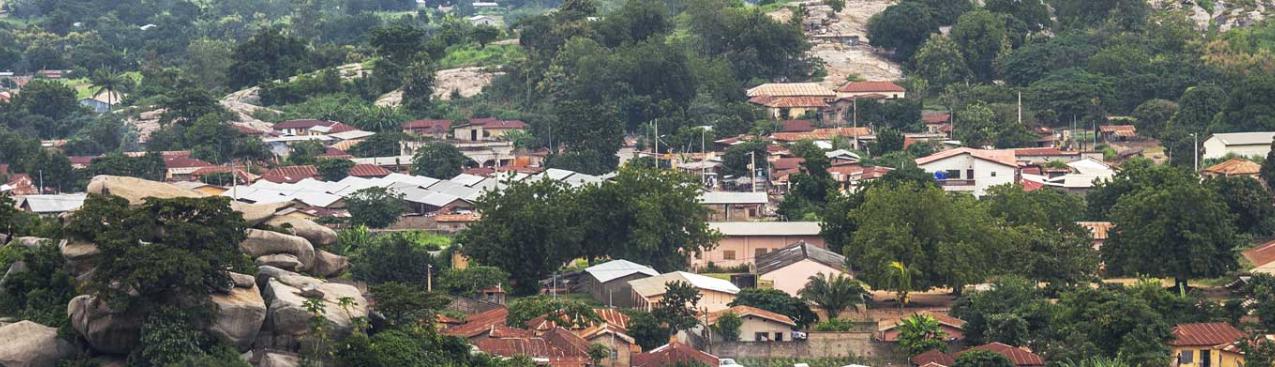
[[761, 337], [779, 336], [1206, 358], [758, 252], [1186, 357], [728, 255], [993, 173], [969, 174], [952, 174]]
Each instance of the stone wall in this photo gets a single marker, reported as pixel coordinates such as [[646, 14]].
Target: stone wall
[[818, 344]]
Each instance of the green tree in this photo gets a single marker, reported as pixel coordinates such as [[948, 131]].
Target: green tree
[[996, 314], [187, 104], [735, 161], [407, 304], [149, 166], [646, 215], [647, 330], [418, 86], [1135, 175], [48, 98], [385, 144], [982, 358], [567, 313], [1200, 239], [484, 34], [946, 12], [469, 281], [590, 127], [163, 250], [777, 301], [527, 229], [1153, 116], [1070, 92], [981, 36], [1267, 173], [832, 293], [942, 240], [1110, 323], [269, 54], [727, 326], [678, 307], [902, 27], [392, 258], [921, 333], [334, 169], [1026, 16], [109, 82], [940, 62], [1250, 202], [438, 159], [306, 152], [375, 207], [1248, 108], [1197, 107], [40, 293], [1258, 351]]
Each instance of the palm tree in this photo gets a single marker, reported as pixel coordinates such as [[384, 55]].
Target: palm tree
[[919, 333], [832, 293], [1117, 361], [111, 83], [901, 281]]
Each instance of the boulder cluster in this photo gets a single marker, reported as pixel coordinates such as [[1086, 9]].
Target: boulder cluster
[[263, 315]]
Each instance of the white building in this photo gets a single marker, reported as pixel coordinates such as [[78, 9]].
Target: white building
[[971, 170], [1250, 144]]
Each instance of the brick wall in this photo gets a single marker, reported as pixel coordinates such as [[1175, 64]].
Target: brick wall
[[818, 344]]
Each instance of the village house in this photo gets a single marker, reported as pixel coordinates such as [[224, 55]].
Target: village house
[[971, 170], [789, 101], [608, 280], [1249, 144], [1098, 231], [1233, 168], [50, 205], [796, 126], [310, 127], [487, 128], [757, 325], [734, 206], [953, 327], [557, 347], [609, 329], [436, 129], [673, 354], [937, 122], [1078, 178], [1110, 133], [1206, 345], [294, 174], [180, 168], [714, 293], [742, 242], [1018, 356], [851, 176], [790, 268], [1045, 155], [871, 89]]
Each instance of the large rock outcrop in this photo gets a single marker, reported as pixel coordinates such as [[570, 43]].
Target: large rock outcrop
[[273, 359], [240, 313], [256, 214], [261, 243], [105, 330], [136, 190], [288, 316], [308, 229], [327, 264], [28, 344]]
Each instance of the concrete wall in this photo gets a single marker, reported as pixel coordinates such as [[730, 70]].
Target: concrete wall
[[819, 344], [745, 248], [713, 301], [793, 278], [1213, 148], [986, 173]]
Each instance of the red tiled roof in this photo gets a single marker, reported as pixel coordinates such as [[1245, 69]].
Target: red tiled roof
[[786, 163], [870, 173], [1205, 334], [788, 102], [431, 125], [743, 310], [1019, 356], [954, 327], [290, 174], [933, 356], [1099, 230], [1029, 185], [302, 124], [1235, 167], [492, 123], [1005, 157], [368, 170], [797, 126], [932, 118], [532, 347], [870, 87], [503, 331], [610, 316], [456, 218], [1261, 254], [331, 152], [184, 162], [671, 354], [479, 323], [1041, 152], [821, 134], [81, 160], [22, 184], [1119, 130]]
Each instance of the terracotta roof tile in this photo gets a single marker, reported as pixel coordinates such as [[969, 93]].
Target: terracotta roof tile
[[479, 323], [435, 126], [742, 311], [671, 354], [871, 87], [1099, 230], [932, 118], [368, 170], [184, 162], [797, 126], [1261, 254], [1005, 157], [789, 102], [290, 174], [1119, 130], [1019, 356], [1205, 334], [821, 134], [791, 90], [1235, 167], [933, 356]]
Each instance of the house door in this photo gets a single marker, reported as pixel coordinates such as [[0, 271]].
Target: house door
[[473, 135], [1206, 358]]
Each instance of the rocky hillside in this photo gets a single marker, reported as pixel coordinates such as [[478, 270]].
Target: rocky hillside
[[1224, 14]]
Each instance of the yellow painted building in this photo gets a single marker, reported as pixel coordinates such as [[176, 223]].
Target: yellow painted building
[[1206, 345]]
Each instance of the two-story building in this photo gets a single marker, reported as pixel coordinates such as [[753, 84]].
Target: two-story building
[[971, 170], [487, 128], [742, 242], [1208, 344], [734, 205], [787, 101], [871, 89]]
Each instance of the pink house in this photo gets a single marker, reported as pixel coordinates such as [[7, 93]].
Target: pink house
[[790, 268], [742, 242]]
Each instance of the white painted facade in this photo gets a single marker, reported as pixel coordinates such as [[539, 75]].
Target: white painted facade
[[985, 173], [1215, 147], [793, 278]]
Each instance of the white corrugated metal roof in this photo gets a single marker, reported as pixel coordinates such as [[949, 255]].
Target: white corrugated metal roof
[[467, 179], [352, 134], [1247, 138], [55, 203], [653, 286], [732, 197], [766, 228], [615, 269]]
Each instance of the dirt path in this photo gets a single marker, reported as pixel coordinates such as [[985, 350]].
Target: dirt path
[[843, 57]]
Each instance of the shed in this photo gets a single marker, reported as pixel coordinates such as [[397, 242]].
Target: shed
[[607, 280]]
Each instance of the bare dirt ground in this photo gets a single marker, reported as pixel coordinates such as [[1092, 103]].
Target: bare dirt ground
[[841, 59], [467, 81]]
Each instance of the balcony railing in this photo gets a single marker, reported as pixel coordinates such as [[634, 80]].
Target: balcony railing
[[956, 182]]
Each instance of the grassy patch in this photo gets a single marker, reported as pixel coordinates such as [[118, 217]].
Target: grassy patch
[[472, 55]]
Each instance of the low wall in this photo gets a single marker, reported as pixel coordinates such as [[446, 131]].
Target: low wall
[[817, 345]]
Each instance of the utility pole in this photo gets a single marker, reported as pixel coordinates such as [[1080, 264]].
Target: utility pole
[[429, 277], [752, 170], [1020, 108], [855, 101], [703, 155], [41, 190], [1195, 151]]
